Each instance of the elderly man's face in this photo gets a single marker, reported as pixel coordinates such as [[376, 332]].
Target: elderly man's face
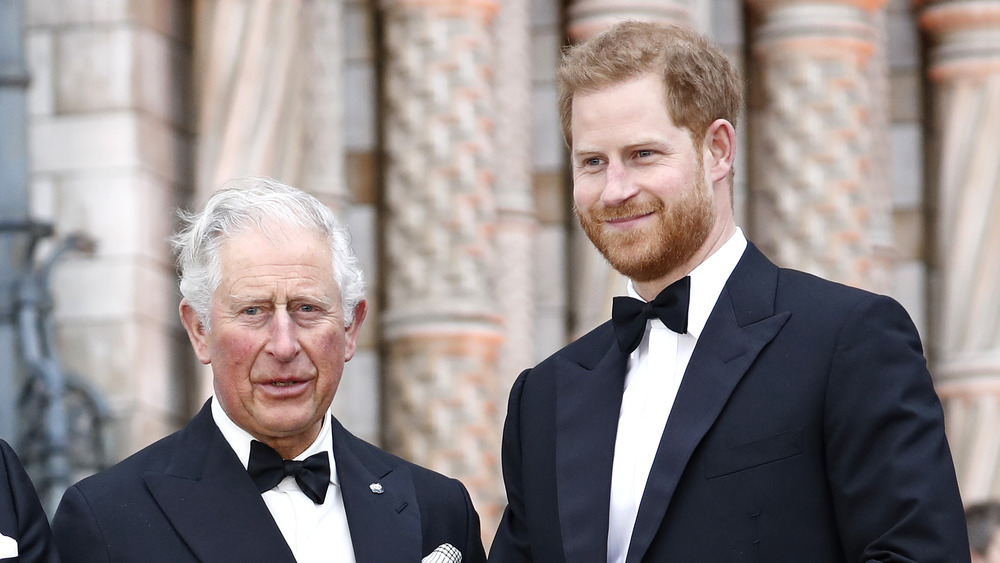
[[278, 342]]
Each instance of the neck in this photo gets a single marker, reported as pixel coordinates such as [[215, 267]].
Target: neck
[[291, 446]]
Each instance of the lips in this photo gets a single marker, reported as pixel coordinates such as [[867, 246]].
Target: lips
[[627, 223], [623, 214], [620, 220], [284, 388]]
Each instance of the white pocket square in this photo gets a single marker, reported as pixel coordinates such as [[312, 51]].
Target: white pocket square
[[8, 547], [445, 553]]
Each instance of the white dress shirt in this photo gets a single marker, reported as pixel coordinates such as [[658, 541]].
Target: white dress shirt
[[314, 532], [8, 547], [655, 369]]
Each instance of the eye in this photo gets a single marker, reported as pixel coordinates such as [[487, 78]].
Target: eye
[[644, 153], [592, 161], [310, 309], [251, 311]]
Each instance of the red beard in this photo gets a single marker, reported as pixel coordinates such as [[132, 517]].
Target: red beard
[[652, 252]]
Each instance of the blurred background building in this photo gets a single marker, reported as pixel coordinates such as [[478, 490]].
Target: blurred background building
[[868, 154]]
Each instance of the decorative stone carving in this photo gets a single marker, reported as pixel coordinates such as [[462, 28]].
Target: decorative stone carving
[[814, 179], [965, 77], [516, 221], [441, 324], [589, 17]]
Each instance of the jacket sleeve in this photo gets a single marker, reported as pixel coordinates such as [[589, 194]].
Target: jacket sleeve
[[474, 551], [78, 536], [33, 535], [896, 496], [511, 543]]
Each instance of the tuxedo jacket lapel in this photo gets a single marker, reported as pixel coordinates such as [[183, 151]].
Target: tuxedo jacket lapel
[[741, 324], [384, 526], [589, 391], [211, 501]]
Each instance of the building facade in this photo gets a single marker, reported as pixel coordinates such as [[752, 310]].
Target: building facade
[[868, 155]]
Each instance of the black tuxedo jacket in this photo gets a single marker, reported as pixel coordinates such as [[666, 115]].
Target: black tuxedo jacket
[[188, 498], [806, 429], [21, 514]]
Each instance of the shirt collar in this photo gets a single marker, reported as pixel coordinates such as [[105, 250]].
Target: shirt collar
[[239, 439], [707, 281]]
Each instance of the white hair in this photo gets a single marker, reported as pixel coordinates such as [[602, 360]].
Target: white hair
[[260, 205]]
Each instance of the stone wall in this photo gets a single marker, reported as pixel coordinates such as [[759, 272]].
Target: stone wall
[[110, 138]]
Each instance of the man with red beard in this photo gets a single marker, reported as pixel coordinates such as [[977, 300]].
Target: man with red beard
[[731, 410]]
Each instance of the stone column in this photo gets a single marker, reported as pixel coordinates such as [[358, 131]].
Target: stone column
[[586, 18], [322, 95], [881, 227], [964, 72], [441, 325], [269, 92], [595, 282], [109, 137], [820, 196], [248, 83], [517, 225]]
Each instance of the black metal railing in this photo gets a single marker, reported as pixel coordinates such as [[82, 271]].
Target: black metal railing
[[62, 418]]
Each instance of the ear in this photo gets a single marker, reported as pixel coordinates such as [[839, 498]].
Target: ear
[[196, 332], [720, 149], [353, 332]]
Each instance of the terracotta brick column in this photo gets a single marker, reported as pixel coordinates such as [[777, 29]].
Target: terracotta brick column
[[820, 199], [587, 18], [517, 224], [441, 326], [964, 72]]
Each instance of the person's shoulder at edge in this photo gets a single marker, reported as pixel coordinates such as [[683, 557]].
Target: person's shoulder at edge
[[33, 535]]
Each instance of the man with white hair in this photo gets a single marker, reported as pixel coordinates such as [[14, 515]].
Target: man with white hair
[[274, 302]]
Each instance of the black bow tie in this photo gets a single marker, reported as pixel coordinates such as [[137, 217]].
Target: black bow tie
[[267, 469], [629, 315]]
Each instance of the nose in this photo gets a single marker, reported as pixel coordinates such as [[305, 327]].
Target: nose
[[283, 343], [618, 185]]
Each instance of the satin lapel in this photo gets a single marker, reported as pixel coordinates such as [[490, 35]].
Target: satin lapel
[[588, 403], [211, 501], [384, 526], [725, 351]]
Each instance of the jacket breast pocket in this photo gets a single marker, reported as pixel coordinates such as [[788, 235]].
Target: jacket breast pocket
[[754, 454]]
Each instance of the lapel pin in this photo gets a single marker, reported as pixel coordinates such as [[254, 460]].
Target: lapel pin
[[376, 488]]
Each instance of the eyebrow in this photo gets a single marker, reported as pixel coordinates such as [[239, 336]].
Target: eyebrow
[[642, 143], [577, 155], [249, 299]]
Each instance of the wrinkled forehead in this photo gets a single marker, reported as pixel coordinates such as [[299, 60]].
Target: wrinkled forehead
[[286, 248]]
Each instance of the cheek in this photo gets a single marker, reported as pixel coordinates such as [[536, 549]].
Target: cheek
[[585, 192], [326, 353], [236, 348], [330, 353]]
